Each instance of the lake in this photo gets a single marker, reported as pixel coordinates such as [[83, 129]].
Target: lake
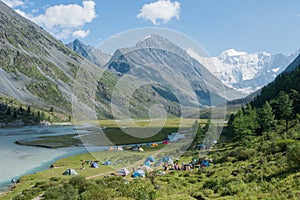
[[18, 160]]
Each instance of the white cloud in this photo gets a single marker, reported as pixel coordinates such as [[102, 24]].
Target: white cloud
[[80, 33], [14, 3], [71, 15], [64, 21], [163, 10]]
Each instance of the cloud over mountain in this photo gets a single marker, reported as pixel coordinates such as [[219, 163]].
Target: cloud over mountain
[[62, 20], [14, 3], [163, 10]]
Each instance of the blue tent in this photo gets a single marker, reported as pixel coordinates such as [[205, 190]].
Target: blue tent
[[147, 163], [94, 165], [138, 173], [205, 163], [106, 163], [150, 159], [165, 160]]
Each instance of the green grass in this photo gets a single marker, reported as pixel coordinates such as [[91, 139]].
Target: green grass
[[169, 122], [259, 169], [74, 162], [60, 141]]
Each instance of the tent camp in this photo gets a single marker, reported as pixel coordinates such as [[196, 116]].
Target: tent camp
[[123, 172], [165, 160], [138, 173], [154, 145], [94, 165], [70, 172]]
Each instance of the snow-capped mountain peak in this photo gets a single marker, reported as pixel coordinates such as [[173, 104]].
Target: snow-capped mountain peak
[[246, 72], [147, 37], [231, 53]]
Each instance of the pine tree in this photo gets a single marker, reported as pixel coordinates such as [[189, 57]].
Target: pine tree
[[284, 108], [295, 96], [28, 109], [238, 126], [266, 118], [250, 118]]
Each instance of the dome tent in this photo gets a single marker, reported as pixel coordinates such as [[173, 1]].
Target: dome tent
[[145, 168], [138, 173], [123, 172], [94, 165], [70, 172], [150, 159], [165, 160]]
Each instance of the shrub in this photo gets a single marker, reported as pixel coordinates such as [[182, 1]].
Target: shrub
[[246, 154], [65, 192], [293, 153], [281, 145], [138, 189]]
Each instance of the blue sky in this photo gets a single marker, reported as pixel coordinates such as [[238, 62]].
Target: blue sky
[[251, 25]]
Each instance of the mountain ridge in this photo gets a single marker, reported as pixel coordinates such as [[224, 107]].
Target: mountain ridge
[[246, 72], [165, 55], [89, 52]]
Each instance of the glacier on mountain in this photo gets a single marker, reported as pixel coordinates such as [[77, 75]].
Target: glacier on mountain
[[245, 72]]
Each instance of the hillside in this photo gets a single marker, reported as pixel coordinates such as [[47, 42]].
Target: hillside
[[35, 68], [286, 82]]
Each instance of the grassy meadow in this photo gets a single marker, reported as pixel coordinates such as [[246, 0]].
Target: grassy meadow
[[258, 167]]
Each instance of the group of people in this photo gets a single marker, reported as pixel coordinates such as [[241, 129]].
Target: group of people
[[195, 163]]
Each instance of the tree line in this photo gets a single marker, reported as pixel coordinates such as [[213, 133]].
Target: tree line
[[23, 113], [255, 120]]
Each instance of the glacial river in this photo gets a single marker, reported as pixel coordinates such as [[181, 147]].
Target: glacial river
[[18, 160]]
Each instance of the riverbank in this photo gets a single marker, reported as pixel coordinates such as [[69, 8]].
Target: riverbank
[[118, 159], [17, 160]]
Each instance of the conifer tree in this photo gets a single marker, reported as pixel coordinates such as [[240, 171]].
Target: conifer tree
[[266, 118]]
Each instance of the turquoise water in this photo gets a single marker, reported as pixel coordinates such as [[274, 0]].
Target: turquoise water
[[18, 160]]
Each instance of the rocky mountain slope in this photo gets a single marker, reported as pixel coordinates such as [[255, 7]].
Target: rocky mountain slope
[[35, 67], [245, 72], [93, 54], [157, 59], [38, 70]]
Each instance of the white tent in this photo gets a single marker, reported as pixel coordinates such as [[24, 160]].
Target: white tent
[[70, 172], [123, 172], [145, 168]]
